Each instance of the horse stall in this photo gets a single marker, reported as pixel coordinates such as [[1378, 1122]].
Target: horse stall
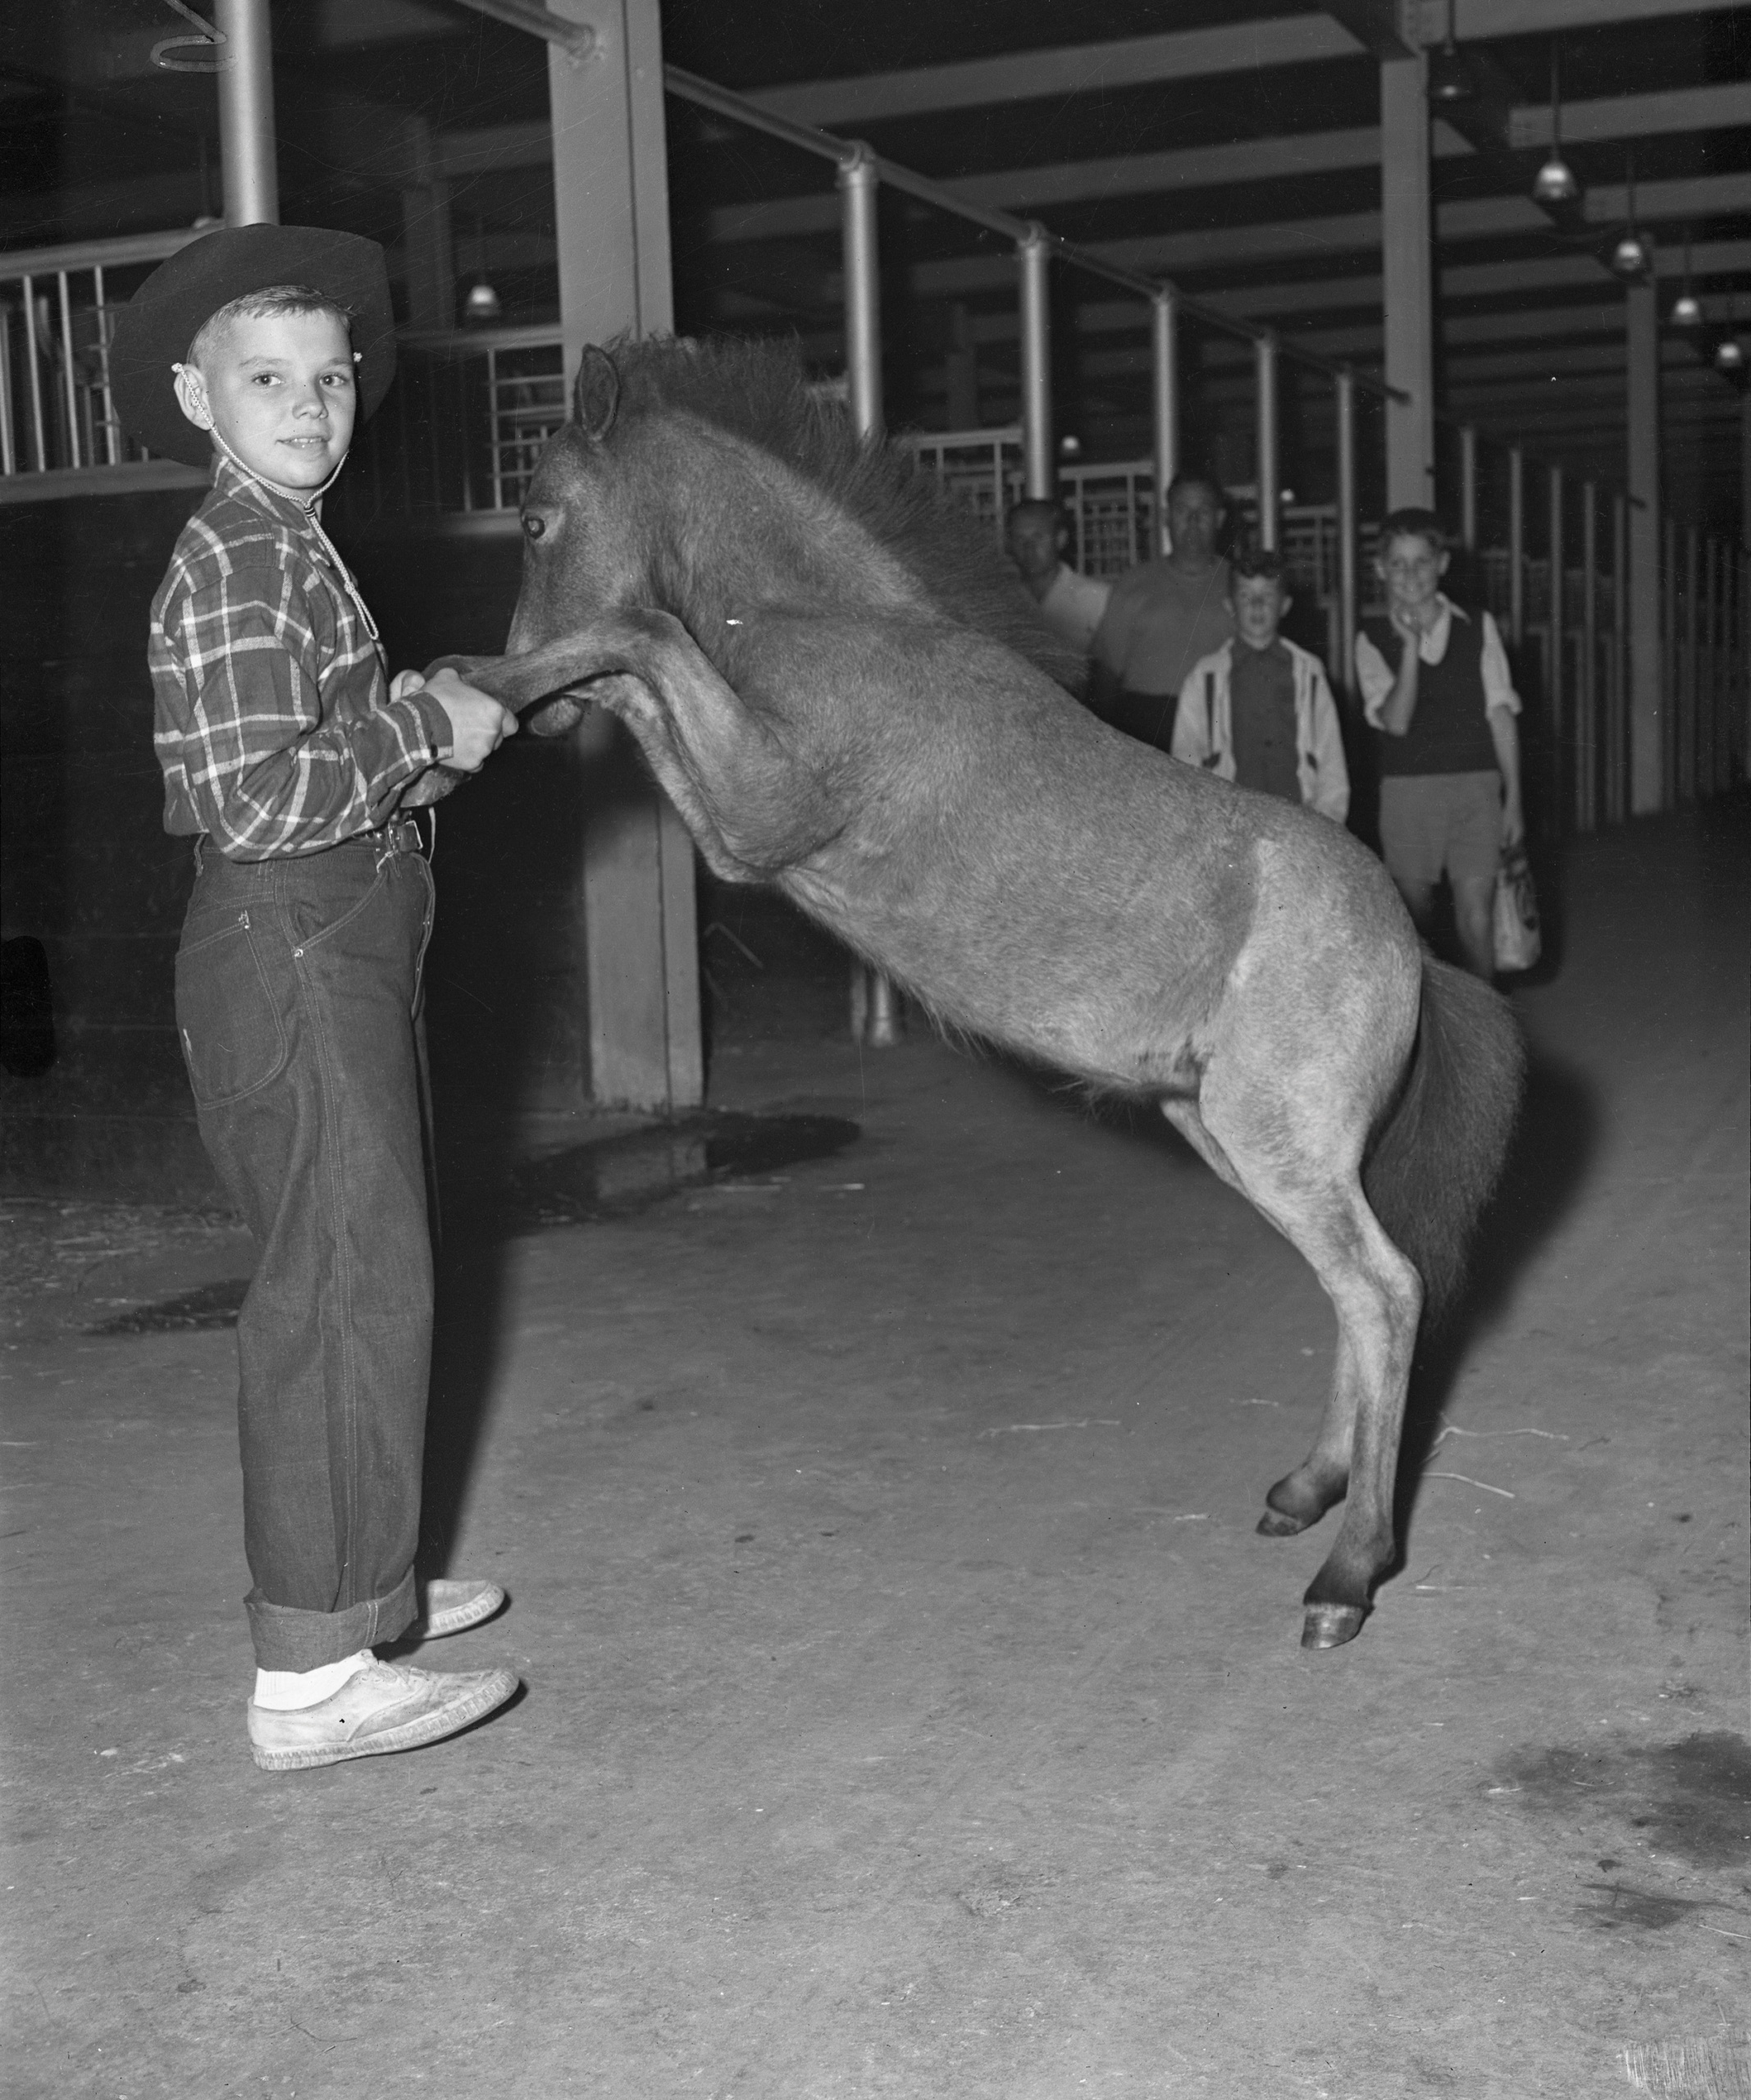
[[1014, 1589]]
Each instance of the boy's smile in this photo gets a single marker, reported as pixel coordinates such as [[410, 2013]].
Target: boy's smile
[[1412, 570], [278, 390]]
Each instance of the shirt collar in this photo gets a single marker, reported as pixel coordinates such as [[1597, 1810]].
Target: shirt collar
[[230, 479]]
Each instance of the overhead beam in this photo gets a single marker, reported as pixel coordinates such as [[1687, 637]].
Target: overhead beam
[[1062, 70]]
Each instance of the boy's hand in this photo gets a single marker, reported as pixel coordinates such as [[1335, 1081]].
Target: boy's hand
[[478, 723]]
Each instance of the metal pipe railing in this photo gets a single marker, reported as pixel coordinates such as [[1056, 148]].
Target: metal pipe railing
[[1468, 486], [1265, 356], [863, 291], [1039, 461], [1586, 756], [1348, 551], [707, 95], [1556, 693], [1164, 375]]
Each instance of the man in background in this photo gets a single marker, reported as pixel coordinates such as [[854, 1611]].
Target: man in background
[[1163, 618], [1071, 603]]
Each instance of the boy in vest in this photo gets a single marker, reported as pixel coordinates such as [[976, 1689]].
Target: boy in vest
[[1257, 710], [286, 753], [1435, 685]]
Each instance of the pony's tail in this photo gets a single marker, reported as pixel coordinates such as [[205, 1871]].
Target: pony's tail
[[1437, 1157]]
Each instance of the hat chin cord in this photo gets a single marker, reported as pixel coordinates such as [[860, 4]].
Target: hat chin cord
[[307, 501]]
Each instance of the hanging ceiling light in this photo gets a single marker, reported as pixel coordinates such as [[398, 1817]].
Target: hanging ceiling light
[[1450, 81], [1687, 311], [1631, 259], [1555, 182], [481, 305], [1730, 353]]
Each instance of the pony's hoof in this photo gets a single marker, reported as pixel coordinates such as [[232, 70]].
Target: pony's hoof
[[1274, 1524], [1329, 1626]]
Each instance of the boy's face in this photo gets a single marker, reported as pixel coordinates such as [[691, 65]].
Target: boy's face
[[278, 388], [1412, 570], [1259, 603]]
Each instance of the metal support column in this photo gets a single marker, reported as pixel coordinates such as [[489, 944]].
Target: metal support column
[[875, 1005], [1556, 693], [1617, 701], [1690, 684], [1718, 659], [1163, 348], [1040, 466], [1408, 288], [1587, 699], [1647, 708], [1671, 703], [1468, 486], [1264, 362], [1347, 606], [858, 187], [1516, 545], [637, 930], [246, 113]]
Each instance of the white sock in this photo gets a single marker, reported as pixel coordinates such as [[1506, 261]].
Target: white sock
[[285, 1691]]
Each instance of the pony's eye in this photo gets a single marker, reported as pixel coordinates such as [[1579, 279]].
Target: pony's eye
[[535, 526]]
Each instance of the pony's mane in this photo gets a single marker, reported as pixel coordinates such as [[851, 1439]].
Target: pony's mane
[[756, 391]]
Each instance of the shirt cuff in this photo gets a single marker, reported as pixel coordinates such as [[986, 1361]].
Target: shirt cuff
[[434, 722]]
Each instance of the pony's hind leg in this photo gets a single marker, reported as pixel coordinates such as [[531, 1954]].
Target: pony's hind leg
[[1322, 1479], [1317, 1203]]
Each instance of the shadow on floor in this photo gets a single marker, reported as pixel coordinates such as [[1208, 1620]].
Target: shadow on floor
[[1547, 1171], [582, 1185]]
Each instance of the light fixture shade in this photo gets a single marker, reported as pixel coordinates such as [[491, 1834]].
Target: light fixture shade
[[1729, 354], [482, 303], [1686, 311], [1450, 81], [1555, 182], [1630, 258]]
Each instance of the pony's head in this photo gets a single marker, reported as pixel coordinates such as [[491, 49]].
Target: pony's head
[[697, 478]]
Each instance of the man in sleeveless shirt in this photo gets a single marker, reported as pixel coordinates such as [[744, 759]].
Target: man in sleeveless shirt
[[1436, 688]]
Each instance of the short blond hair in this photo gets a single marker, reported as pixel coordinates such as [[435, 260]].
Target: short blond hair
[[259, 306]]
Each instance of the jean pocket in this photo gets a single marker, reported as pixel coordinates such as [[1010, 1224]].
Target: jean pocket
[[233, 1039], [315, 914]]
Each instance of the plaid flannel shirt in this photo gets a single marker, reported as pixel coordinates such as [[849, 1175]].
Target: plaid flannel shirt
[[273, 724]]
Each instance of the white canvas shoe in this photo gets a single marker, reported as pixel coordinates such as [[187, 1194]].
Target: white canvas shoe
[[385, 1707], [453, 1608]]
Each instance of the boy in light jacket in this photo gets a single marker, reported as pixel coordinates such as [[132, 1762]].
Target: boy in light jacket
[[1258, 710]]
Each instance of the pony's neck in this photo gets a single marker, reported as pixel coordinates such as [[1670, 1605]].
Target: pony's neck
[[759, 533]]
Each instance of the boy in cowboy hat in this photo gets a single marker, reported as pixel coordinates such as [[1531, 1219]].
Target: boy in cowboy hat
[[286, 754]]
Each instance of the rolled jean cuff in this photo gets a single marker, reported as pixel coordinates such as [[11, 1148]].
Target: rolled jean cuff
[[287, 1639]]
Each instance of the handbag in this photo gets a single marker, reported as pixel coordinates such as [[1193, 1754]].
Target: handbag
[[1515, 922]]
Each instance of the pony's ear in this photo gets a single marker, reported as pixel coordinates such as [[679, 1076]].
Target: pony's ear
[[595, 400]]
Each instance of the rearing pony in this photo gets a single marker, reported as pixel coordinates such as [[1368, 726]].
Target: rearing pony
[[845, 695]]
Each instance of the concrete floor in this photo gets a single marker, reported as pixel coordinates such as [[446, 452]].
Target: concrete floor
[[911, 1708]]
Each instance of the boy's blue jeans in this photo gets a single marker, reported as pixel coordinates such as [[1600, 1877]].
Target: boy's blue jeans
[[298, 1000]]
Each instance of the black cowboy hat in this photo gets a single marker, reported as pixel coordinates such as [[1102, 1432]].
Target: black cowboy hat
[[164, 316]]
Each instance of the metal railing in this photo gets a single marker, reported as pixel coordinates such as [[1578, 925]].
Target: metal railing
[[57, 312]]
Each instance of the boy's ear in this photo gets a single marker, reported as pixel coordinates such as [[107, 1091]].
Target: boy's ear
[[191, 396], [1446, 555]]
